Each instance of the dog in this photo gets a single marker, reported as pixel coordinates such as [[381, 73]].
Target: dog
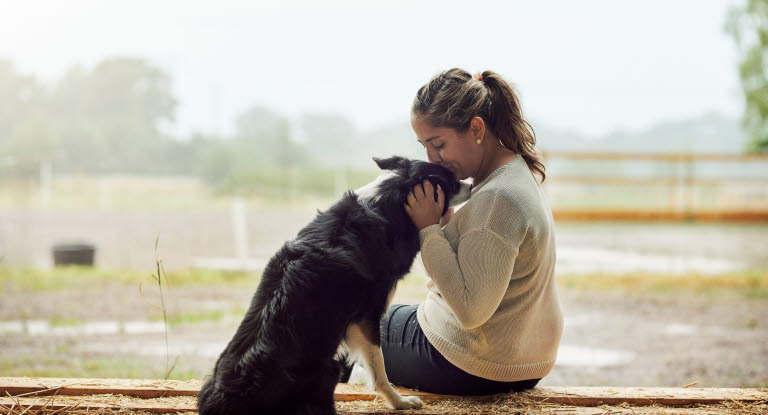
[[320, 301]]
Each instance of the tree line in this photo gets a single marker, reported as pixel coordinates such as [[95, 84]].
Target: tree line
[[115, 118]]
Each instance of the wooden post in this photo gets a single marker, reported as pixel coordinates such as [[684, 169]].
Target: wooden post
[[46, 177], [240, 231]]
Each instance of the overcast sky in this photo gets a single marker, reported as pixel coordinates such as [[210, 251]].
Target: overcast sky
[[590, 66]]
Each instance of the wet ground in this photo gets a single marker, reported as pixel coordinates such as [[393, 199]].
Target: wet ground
[[611, 338], [125, 240]]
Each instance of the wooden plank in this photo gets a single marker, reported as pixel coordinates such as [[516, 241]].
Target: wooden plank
[[595, 396], [122, 405], [140, 388], [346, 392], [579, 396], [152, 388]]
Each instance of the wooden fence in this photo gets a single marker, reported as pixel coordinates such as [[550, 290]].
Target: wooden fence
[[678, 190]]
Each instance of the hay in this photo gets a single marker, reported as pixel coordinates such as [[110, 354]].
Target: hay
[[108, 404], [518, 403]]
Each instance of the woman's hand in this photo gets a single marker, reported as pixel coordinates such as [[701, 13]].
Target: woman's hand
[[421, 206]]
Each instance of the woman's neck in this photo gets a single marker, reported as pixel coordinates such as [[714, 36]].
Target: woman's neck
[[493, 159]]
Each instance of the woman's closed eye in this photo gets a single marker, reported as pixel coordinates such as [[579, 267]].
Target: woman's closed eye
[[440, 147]]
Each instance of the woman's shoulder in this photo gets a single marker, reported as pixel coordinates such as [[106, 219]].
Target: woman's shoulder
[[509, 191], [490, 206], [510, 197], [512, 192]]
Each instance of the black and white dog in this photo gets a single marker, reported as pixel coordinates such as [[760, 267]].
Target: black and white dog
[[320, 300]]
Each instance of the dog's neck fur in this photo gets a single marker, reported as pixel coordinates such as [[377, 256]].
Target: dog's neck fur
[[401, 233]]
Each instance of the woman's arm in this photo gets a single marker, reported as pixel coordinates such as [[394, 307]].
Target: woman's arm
[[473, 280]]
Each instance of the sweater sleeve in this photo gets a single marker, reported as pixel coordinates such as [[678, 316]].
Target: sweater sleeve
[[473, 280]]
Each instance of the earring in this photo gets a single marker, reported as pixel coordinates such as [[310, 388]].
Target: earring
[[479, 140]]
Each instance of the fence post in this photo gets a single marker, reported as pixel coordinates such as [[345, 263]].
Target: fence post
[[689, 188], [239, 230], [46, 175]]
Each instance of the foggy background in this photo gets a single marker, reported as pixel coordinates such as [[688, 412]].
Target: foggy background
[[222, 127]]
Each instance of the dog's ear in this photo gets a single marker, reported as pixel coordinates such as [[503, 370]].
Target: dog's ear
[[391, 163]]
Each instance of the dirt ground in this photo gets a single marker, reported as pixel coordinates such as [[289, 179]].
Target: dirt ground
[[125, 239], [611, 338]]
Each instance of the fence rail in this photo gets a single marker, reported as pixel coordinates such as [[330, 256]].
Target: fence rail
[[655, 156], [676, 187]]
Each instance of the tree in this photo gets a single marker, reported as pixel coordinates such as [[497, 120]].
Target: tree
[[749, 27], [111, 117], [333, 138], [17, 97], [264, 137], [26, 139]]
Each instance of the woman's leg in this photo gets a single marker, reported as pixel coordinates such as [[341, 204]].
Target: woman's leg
[[411, 361]]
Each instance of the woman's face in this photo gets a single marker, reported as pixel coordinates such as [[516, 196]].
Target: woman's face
[[456, 151]]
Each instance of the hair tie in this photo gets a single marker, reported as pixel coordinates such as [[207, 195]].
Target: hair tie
[[479, 77]]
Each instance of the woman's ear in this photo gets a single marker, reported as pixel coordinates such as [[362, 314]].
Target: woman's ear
[[477, 127]]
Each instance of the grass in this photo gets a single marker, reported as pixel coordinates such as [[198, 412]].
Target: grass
[[79, 277], [181, 318], [51, 365], [160, 277], [748, 284], [59, 321]]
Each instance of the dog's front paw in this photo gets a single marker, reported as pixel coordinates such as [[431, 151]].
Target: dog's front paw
[[408, 402]]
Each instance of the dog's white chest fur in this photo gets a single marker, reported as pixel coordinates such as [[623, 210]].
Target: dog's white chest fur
[[370, 191]]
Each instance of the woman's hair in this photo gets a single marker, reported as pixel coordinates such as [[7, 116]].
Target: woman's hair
[[453, 97]]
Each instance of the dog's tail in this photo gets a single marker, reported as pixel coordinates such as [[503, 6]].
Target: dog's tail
[[210, 401], [245, 395]]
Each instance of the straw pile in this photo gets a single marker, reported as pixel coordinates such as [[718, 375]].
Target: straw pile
[[109, 404]]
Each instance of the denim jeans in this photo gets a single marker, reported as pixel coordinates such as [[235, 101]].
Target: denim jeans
[[411, 361]]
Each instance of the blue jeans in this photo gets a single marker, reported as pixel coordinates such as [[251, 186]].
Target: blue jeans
[[411, 361]]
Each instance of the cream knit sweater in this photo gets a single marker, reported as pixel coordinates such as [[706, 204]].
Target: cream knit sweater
[[493, 309]]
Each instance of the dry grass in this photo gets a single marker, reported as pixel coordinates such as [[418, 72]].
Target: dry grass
[[497, 404], [752, 284], [524, 405]]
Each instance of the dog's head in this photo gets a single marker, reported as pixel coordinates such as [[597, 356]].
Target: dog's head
[[402, 174]]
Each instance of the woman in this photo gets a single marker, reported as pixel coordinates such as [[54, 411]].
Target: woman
[[491, 322]]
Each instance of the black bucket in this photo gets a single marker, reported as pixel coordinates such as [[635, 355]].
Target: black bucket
[[73, 254]]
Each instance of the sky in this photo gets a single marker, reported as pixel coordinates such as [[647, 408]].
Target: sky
[[590, 67]]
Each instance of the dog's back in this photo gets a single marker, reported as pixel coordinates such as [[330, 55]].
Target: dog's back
[[310, 291]]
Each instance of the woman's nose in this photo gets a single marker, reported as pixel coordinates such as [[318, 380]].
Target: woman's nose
[[432, 156]]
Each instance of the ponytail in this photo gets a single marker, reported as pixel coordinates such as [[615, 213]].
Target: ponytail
[[507, 122]]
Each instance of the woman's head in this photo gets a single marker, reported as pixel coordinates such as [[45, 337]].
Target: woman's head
[[461, 109]]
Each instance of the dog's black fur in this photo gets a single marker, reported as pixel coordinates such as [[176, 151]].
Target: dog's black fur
[[339, 270]]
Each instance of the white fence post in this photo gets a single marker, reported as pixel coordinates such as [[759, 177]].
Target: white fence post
[[239, 230], [46, 175]]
